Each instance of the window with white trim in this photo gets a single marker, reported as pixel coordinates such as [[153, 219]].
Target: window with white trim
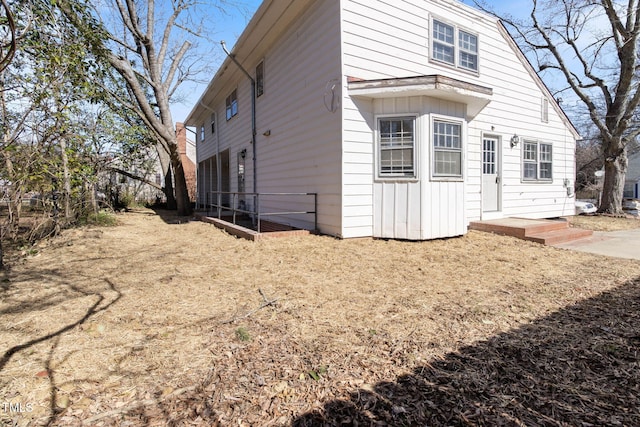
[[454, 46], [447, 149], [396, 145], [537, 161], [232, 104], [202, 133]]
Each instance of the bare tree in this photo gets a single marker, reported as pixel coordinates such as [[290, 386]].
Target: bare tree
[[591, 46], [8, 35], [149, 44]]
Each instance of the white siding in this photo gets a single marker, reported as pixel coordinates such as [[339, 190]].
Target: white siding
[[303, 154], [302, 151], [383, 39]]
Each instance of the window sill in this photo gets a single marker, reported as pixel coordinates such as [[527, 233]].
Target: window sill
[[454, 67], [398, 178], [536, 181], [447, 178]]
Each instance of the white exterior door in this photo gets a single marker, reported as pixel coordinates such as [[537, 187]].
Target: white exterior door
[[491, 180]]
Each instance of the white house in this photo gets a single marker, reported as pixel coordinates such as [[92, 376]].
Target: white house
[[632, 180], [408, 119]]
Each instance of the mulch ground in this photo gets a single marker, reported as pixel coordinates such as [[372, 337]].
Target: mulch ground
[[164, 321]]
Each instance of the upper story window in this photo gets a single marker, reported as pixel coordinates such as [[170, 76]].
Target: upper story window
[[537, 161], [447, 149], [260, 79], [232, 104], [213, 123], [396, 145], [202, 133], [454, 46]]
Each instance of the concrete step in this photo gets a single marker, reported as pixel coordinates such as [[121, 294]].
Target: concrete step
[[559, 236]]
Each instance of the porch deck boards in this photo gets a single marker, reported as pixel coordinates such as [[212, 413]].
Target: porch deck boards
[[544, 231]]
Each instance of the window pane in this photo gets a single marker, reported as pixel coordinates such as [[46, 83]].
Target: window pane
[[446, 135], [260, 79], [545, 171], [447, 147], [468, 42], [545, 152], [442, 32], [396, 146], [530, 151], [443, 45], [469, 61], [443, 52], [448, 163], [488, 156], [530, 171]]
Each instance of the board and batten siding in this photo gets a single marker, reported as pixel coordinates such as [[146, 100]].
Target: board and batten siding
[[384, 39]]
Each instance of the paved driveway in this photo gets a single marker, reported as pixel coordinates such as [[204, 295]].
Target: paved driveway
[[621, 244]]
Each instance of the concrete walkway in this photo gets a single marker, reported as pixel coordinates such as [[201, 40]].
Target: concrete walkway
[[621, 244]]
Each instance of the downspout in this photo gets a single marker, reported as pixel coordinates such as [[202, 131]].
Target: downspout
[[253, 114], [218, 163]]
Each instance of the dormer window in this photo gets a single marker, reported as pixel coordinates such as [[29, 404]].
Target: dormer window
[[454, 46]]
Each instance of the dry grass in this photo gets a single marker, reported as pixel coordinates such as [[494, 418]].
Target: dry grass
[[604, 222], [146, 324]]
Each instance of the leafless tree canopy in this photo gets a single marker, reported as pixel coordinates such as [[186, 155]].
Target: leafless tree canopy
[[591, 46]]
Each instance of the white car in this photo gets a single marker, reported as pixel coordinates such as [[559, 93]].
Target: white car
[[583, 208]]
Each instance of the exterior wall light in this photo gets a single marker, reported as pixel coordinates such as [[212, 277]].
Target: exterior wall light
[[515, 139]]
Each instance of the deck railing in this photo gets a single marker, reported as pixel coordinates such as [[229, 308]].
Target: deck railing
[[234, 204]]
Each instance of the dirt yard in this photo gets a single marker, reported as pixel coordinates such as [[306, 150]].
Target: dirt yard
[[161, 321]]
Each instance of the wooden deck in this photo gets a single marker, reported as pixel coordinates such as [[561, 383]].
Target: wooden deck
[[545, 231]]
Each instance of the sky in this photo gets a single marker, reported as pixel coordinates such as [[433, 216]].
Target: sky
[[230, 26]]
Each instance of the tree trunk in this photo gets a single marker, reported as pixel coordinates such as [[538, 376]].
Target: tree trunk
[[14, 195], [615, 170], [182, 194], [168, 191], [66, 181]]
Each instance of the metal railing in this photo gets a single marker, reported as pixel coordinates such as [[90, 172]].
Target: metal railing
[[227, 203]]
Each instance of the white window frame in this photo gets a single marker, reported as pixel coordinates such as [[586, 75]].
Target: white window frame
[[231, 104], [537, 153], [456, 45], [409, 175], [202, 134], [437, 148]]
